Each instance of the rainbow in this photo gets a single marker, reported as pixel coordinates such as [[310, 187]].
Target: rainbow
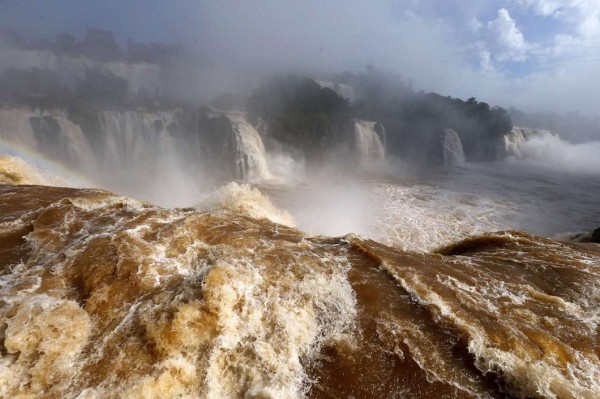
[[45, 164]]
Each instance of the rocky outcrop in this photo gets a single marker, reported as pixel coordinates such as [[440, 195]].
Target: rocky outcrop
[[593, 237]]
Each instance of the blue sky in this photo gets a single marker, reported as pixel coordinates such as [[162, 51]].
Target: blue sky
[[540, 55]]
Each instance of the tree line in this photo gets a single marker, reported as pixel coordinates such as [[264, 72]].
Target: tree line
[[301, 113], [97, 44]]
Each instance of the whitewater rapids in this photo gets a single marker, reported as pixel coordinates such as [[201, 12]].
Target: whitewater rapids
[[102, 296]]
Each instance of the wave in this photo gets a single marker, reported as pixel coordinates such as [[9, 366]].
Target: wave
[[243, 199], [103, 296]]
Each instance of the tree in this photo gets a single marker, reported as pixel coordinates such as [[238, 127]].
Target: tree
[[66, 44], [103, 87], [100, 45], [299, 112]]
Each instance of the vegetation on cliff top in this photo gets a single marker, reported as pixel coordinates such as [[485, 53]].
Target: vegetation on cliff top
[[300, 112]]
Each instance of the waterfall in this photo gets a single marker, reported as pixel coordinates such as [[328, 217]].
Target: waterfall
[[367, 141], [136, 137], [48, 132], [250, 154], [453, 149], [518, 136], [546, 149]]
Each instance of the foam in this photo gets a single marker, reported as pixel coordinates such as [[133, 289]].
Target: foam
[[246, 200], [543, 148], [422, 218], [202, 317], [48, 334], [510, 340]]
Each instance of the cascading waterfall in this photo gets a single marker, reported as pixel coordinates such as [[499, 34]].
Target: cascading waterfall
[[145, 157], [368, 144], [518, 136], [453, 149], [132, 137], [134, 148], [49, 132], [234, 146], [546, 149], [251, 157]]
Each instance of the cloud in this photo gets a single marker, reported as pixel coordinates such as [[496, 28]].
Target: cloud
[[581, 18], [485, 61], [505, 38], [544, 7]]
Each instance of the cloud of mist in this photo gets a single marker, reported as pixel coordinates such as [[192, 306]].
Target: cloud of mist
[[554, 153], [486, 50], [536, 55]]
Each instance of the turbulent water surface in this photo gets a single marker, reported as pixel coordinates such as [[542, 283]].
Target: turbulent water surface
[[104, 296]]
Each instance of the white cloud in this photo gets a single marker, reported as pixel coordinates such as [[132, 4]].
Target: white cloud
[[475, 25], [544, 8], [485, 62], [505, 39], [581, 18]]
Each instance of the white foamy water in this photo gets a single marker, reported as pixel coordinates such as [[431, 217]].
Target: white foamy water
[[444, 206], [242, 199], [414, 217], [199, 292], [555, 153], [423, 217]]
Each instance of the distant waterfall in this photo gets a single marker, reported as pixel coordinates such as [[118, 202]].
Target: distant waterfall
[[367, 142], [515, 140], [136, 137], [48, 132], [250, 156], [453, 149]]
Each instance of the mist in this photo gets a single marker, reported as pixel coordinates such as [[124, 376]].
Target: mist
[[487, 50], [556, 154]]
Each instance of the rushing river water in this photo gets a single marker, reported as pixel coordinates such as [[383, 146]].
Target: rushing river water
[[441, 284]]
